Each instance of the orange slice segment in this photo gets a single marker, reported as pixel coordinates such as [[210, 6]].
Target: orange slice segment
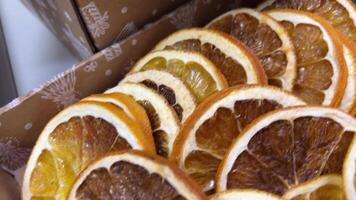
[[206, 135], [170, 87], [244, 195], [198, 73], [340, 13], [349, 172], [286, 148], [128, 105], [134, 175], [267, 39], [164, 121], [235, 61], [75, 137], [321, 188], [322, 72]]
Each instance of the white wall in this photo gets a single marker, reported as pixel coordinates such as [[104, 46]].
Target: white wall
[[36, 55]]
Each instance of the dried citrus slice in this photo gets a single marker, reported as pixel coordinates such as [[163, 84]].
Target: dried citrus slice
[[134, 175], [320, 188], [244, 195], [286, 148], [322, 71], [349, 172], [128, 105], [348, 102], [75, 137], [268, 40], [164, 121], [206, 135], [170, 87], [235, 61], [340, 13], [199, 74]]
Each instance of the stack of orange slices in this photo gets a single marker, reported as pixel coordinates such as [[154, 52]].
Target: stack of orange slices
[[259, 104]]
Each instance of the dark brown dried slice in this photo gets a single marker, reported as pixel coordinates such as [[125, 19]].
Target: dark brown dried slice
[[134, 175], [77, 136], [207, 135], [163, 118], [288, 147], [340, 13], [235, 61], [267, 39]]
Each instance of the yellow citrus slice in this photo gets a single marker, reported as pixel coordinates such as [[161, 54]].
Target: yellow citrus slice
[[286, 148], [198, 73], [164, 121], [349, 172], [235, 61], [340, 13], [134, 175], [75, 137], [128, 105], [207, 134], [244, 195], [320, 188], [322, 72], [267, 39], [170, 87]]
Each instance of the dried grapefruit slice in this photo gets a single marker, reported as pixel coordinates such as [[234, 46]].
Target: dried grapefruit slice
[[340, 13], [206, 135], [244, 195], [322, 72], [321, 188], [170, 87], [128, 105], [286, 148], [235, 61], [349, 172], [134, 175], [267, 39], [164, 121], [75, 137], [198, 73]]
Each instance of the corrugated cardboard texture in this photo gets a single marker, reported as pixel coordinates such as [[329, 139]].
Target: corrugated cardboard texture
[[110, 21]]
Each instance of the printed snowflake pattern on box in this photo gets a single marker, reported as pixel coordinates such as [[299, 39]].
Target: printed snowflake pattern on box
[[184, 17], [97, 22], [12, 156]]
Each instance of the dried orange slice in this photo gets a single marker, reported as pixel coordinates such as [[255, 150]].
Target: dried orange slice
[[286, 148], [128, 105], [321, 188], [170, 87], [322, 72], [164, 121], [267, 39], [349, 172], [134, 175], [340, 13], [75, 137], [244, 195], [206, 135], [199, 74], [235, 61]]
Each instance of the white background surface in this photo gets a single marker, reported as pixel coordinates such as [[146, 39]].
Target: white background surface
[[35, 54]]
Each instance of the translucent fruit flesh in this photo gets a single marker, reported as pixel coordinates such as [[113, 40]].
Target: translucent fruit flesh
[[330, 10], [328, 192], [216, 134], [74, 144], [290, 152], [315, 72], [230, 68], [125, 181], [259, 37], [197, 79]]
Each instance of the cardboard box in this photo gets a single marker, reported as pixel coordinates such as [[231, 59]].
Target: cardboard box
[[87, 26], [22, 120]]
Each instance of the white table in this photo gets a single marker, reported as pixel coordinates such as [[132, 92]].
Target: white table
[[35, 54]]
